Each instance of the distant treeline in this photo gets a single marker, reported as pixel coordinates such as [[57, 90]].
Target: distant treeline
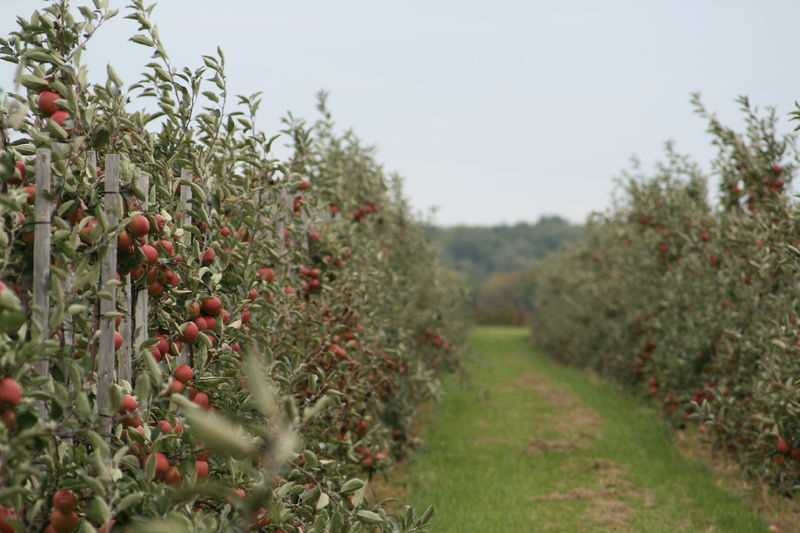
[[496, 261]]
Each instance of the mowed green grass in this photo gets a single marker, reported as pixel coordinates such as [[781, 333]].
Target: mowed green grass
[[624, 475]]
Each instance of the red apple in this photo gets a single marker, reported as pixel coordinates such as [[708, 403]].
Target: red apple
[[154, 289], [60, 118], [162, 464], [30, 190], [783, 446], [202, 469], [129, 404], [10, 393], [193, 310], [173, 476], [65, 501], [202, 325], [125, 241], [211, 306], [209, 256], [266, 274], [201, 399], [150, 254], [189, 332], [139, 226], [184, 374], [47, 102], [64, 522], [176, 387], [7, 512], [163, 343], [132, 420], [166, 247], [23, 173]]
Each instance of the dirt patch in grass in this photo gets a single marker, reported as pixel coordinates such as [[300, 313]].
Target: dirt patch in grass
[[607, 509], [782, 514], [540, 446], [493, 440], [570, 419]]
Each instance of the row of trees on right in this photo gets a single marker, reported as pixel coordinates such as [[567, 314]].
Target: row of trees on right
[[694, 301]]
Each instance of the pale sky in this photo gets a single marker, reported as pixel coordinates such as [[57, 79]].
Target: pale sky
[[495, 112]]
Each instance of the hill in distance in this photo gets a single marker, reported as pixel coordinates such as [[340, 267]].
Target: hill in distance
[[497, 260], [479, 251]]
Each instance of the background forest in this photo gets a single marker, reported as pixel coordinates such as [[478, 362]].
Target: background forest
[[496, 262]]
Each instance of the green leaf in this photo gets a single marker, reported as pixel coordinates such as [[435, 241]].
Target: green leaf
[[129, 501], [141, 39], [33, 82], [93, 484], [312, 411], [75, 309], [56, 130], [99, 511], [219, 433], [100, 139], [82, 404], [368, 517], [351, 485], [113, 76], [262, 391], [323, 501], [41, 56], [780, 344], [426, 516]]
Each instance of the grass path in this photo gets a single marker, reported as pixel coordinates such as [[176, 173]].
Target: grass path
[[534, 447]]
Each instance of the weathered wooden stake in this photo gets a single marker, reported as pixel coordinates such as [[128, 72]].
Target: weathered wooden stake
[[108, 285], [41, 258], [141, 333], [41, 251], [185, 206], [125, 329], [186, 199]]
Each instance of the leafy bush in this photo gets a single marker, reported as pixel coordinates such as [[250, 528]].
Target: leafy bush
[[694, 303]]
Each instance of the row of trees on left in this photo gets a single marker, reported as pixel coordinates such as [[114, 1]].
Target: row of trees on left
[[195, 335]]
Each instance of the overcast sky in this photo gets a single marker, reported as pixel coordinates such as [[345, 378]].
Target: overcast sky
[[495, 112]]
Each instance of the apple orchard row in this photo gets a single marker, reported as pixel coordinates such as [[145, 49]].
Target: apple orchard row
[[694, 303], [195, 334]]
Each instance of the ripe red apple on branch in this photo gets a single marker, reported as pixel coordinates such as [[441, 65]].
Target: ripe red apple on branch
[[47, 102]]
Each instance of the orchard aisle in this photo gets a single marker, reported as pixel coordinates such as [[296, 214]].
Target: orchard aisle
[[536, 447]]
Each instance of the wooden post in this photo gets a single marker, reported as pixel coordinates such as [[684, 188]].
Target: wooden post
[[125, 329], [141, 333], [305, 226], [207, 191], [185, 206], [91, 162], [69, 322], [284, 209], [41, 259], [108, 276], [186, 199], [41, 252]]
